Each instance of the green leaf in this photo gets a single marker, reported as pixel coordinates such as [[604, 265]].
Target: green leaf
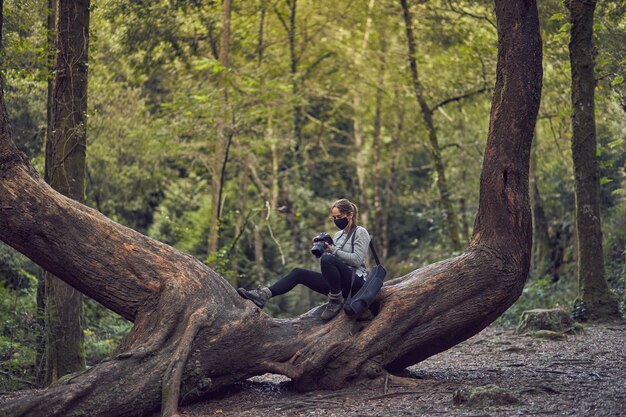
[[605, 180], [617, 80], [557, 17]]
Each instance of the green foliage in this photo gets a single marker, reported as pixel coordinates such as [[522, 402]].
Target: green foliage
[[19, 320], [103, 330], [181, 219], [540, 293]]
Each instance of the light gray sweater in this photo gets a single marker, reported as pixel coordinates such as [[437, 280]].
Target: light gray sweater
[[344, 251]]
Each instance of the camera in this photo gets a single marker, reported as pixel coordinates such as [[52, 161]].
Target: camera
[[318, 244]]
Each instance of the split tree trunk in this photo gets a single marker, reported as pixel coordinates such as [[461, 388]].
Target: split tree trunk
[[190, 326], [65, 171], [593, 292]]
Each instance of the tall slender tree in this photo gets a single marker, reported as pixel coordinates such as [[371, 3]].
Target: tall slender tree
[[540, 264], [378, 211], [65, 171], [224, 134], [451, 220], [595, 300], [358, 109], [41, 354]]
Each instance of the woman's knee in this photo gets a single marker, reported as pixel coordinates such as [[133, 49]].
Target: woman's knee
[[297, 271], [297, 274], [328, 259]]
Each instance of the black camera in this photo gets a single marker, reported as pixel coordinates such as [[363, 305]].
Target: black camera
[[318, 244]]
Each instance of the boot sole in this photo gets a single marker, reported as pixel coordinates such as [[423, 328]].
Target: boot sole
[[243, 294]]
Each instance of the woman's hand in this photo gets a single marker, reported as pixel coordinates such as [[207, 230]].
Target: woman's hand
[[328, 247]]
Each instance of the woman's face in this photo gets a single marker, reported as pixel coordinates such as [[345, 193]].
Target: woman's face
[[336, 214]]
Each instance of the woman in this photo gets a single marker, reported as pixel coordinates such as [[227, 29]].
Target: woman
[[348, 252]]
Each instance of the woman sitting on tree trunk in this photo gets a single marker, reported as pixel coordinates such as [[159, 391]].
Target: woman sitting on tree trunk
[[337, 259]]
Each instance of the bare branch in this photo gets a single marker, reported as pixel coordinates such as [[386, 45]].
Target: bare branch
[[324, 125], [475, 16], [315, 63], [281, 18], [458, 98]]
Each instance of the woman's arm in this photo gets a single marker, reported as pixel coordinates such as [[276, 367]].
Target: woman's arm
[[361, 244]]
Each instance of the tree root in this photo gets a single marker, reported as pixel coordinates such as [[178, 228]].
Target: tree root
[[284, 368], [173, 375], [387, 380]]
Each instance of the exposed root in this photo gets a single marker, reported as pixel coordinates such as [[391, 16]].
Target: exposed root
[[388, 381], [142, 341], [153, 346], [284, 368], [174, 373], [399, 381]]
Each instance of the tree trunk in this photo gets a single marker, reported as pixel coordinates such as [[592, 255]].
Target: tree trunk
[[193, 334], [294, 160], [224, 140], [540, 261], [378, 188], [261, 44], [258, 255], [434, 148], [360, 160], [40, 338], [593, 292], [65, 171], [360, 153], [394, 158], [40, 354]]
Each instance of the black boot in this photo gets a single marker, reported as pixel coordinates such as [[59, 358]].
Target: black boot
[[258, 296], [334, 306]]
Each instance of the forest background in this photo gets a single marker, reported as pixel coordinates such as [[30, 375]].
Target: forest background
[[236, 161]]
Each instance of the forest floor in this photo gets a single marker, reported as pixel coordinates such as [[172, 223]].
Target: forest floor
[[578, 375]]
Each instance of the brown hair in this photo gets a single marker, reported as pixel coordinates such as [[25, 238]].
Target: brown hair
[[346, 206]]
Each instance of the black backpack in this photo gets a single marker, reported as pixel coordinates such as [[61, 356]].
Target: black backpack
[[357, 303]]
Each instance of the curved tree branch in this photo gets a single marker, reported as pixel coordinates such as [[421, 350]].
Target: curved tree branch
[[458, 98]]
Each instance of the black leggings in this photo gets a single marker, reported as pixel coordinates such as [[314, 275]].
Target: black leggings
[[336, 276]]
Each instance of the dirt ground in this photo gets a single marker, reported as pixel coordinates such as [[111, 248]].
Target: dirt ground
[[579, 375]]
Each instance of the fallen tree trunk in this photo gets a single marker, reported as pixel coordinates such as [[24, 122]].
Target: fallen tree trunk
[[193, 334]]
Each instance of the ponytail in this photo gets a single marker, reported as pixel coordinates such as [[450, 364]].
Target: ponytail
[[355, 216]]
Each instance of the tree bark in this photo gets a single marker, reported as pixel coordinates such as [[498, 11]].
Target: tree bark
[[65, 171], [360, 152], [193, 334], [224, 139], [540, 261], [390, 192], [378, 187], [593, 292], [298, 158], [261, 44], [451, 220], [41, 342], [293, 161]]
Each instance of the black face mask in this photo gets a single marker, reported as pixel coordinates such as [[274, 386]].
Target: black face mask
[[341, 223]]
